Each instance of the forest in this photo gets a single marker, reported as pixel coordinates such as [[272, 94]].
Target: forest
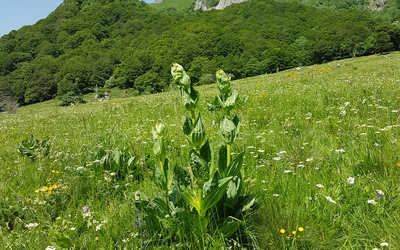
[[88, 44]]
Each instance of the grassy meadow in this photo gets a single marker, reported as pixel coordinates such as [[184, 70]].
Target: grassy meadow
[[321, 155]]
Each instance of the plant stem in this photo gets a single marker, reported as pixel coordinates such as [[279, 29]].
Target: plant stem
[[228, 154], [193, 116], [162, 167]]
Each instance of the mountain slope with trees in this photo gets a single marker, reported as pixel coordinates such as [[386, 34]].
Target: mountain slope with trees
[[127, 44], [387, 9]]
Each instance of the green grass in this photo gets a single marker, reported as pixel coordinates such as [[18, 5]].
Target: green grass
[[179, 5], [305, 132]]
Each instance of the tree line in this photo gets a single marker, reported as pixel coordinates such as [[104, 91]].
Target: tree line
[[128, 44]]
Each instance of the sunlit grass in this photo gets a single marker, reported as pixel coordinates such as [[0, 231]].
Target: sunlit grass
[[305, 131]]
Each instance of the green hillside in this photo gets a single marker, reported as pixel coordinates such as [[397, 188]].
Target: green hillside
[[386, 9], [320, 155], [89, 45], [177, 5], [389, 10]]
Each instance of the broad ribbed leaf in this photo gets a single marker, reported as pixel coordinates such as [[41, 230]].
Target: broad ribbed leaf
[[206, 152], [158, 147], [181, 175], [230, 226], [159, 131], [222, 160], [160, 208], [214, 104], [199, 165], [198, 133], [231, 100], [187, 126], [234, 168], [233, 191], [194, 198], [210, 184], [214, 195], [246, 202], [174, 195], [228, 130], [236, 121], [195, 96], [188, 102]]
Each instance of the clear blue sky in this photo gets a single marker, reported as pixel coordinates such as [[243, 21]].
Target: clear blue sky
[[17, 13]]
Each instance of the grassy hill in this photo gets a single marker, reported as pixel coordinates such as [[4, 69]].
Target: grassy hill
[[321, 155], [179, 5]]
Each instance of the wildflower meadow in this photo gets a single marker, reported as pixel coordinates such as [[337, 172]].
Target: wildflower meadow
[[307, 158]]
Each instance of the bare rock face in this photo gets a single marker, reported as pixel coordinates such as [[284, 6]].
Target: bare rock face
[[225, 3], [201, 4], [377, 5]]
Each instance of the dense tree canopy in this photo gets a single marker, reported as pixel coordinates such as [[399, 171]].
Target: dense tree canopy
[[126, 43]]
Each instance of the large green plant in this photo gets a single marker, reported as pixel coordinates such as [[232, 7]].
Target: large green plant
[[33, 148], [205, 190]]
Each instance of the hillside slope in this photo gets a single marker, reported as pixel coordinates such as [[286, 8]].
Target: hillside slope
[[321, 145], [88, 44], [388, 9]]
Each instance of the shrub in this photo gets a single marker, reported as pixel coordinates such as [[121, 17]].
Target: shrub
[[9, 104], [33, 148], [71, 98], [149, 83], [121, 162], [206, 79]]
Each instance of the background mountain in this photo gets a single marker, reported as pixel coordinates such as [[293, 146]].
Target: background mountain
[[129, 44], [388, 9]]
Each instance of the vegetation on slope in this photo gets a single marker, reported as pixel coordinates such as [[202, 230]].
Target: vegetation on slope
[[321, 154], [388, 10], [174, 5], [127, 44]]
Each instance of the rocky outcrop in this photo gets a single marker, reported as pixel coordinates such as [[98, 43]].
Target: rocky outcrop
[[225, 3], [202, 4], [377, 5]]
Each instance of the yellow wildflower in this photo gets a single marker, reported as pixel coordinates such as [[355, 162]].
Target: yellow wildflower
[[301, 229], [282, 231]]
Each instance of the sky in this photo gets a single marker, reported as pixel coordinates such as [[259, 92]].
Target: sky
[[15, 14]]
